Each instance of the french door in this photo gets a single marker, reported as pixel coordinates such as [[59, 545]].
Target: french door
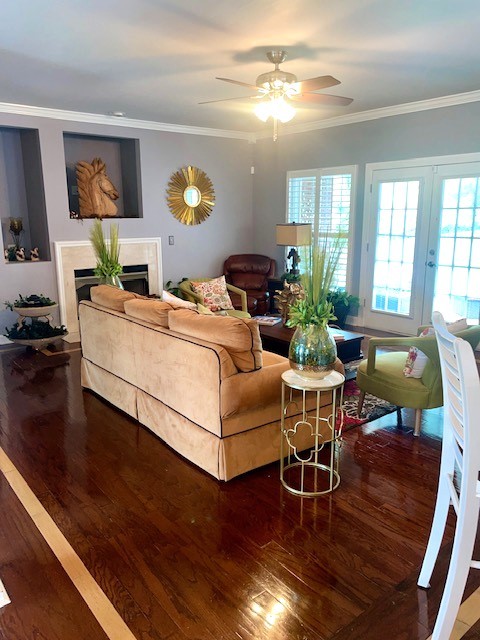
[[423, 245]]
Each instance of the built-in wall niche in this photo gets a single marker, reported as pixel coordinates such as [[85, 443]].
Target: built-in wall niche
[[23, 213], [122, 168]]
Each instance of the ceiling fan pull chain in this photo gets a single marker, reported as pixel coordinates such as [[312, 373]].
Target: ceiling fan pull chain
[[275, 129]]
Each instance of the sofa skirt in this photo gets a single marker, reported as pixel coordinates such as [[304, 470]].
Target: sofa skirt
[[224, 458]]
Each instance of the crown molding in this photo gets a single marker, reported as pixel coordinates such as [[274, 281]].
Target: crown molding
[[376, 114], [338, 121], [115, 121]]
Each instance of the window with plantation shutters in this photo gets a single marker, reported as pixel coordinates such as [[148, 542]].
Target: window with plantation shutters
[[323, 198]]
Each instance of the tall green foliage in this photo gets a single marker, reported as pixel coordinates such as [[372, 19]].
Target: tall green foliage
[[320, 260], [107, 253]]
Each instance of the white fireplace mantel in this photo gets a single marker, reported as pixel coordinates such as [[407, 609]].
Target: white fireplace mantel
[[73, 255]]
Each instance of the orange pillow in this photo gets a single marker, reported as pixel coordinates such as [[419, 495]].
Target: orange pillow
[[112, 297], [239, 336], [154, 311]]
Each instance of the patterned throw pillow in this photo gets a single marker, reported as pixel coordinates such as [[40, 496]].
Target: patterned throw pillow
[[214, 292], [417, 360]]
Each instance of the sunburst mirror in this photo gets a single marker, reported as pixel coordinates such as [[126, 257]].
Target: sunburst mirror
[[190, 195]]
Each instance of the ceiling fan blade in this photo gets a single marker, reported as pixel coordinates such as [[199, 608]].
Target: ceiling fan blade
[[242, 84], [227, 99], [322, 98], [312, 84]]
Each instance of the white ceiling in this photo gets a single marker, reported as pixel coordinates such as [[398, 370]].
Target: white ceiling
[[157, 59]]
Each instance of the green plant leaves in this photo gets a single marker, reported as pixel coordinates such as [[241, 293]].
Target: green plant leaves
[[107, 253]]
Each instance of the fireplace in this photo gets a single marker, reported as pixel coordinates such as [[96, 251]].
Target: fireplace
[[134, 278], [71, 257]]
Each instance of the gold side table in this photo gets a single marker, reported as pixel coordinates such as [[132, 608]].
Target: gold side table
[[322, 430]]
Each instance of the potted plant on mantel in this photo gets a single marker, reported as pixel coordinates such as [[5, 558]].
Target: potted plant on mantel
[[312, 350], [108, 266]]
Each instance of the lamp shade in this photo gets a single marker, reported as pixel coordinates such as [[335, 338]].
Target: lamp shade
[[294, 235]]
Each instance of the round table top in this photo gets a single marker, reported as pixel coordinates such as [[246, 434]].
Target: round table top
[[331, 381]]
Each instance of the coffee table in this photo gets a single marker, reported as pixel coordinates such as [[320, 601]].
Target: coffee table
[[277, 338]]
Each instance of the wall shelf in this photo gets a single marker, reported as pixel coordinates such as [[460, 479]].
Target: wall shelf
[[21, 190]]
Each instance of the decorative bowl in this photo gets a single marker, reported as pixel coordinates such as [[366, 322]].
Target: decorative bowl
[[35, 312], [38, 343]]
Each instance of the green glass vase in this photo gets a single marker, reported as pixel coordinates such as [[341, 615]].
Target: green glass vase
[[113, 281], [312, 352]]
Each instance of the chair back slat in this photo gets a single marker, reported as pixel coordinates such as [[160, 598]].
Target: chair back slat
[[460, 452], [461, 387]]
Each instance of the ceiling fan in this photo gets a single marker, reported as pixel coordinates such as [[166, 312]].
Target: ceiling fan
[[276, 88]]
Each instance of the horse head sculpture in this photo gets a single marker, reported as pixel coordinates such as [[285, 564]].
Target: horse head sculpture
[[96, 192]]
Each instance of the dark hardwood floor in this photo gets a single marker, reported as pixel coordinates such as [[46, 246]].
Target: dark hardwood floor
[[181, 555]]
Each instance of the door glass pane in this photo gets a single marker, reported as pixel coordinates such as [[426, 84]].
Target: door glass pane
[[458, 273], [395, 246]]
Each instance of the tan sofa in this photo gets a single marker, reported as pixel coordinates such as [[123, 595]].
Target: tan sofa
[[201, 383]]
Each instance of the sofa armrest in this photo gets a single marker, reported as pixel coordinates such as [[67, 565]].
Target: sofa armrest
[[426, 344], [246, 391], [189, 294]]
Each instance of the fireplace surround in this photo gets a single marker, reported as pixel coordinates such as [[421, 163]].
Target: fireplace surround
[[71, 256]]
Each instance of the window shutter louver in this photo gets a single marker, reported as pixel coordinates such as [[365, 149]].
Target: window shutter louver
[[323, 199]]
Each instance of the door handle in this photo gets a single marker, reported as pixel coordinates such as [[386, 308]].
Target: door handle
[[431, 264]]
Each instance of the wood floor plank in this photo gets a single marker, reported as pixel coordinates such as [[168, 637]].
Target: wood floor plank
[[44, 603], [181, 555]]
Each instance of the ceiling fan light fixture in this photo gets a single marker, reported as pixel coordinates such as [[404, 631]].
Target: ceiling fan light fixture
[[276, 88], [262, 110], [276, 108]]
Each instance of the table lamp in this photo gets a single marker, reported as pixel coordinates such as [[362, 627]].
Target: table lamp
[[16, 230], [294, 235]]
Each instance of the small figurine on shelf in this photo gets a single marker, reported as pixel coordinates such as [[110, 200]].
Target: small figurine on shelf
[[20, 254], [10, 252], [34, 254]]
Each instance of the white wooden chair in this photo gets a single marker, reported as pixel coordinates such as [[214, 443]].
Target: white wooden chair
[[460, 457]]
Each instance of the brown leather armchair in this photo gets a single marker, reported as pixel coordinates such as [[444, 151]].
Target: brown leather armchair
[[250, 272]]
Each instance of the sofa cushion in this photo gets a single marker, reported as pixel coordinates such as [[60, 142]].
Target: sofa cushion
[[112, 297], [151, 310], [239, 336], [214, 293]]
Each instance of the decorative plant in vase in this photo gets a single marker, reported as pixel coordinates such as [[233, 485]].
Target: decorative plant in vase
[[108, 266], [34, 327], [312, 351]]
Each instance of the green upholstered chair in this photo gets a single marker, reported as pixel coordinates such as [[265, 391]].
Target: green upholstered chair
[[189, 294], [382, 375]]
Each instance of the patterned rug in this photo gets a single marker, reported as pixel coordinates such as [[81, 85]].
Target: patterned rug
[[373, 407]]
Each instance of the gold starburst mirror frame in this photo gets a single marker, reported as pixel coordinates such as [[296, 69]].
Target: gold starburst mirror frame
[[190, 195]]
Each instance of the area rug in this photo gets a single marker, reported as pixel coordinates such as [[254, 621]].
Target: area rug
[[373, 407]]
